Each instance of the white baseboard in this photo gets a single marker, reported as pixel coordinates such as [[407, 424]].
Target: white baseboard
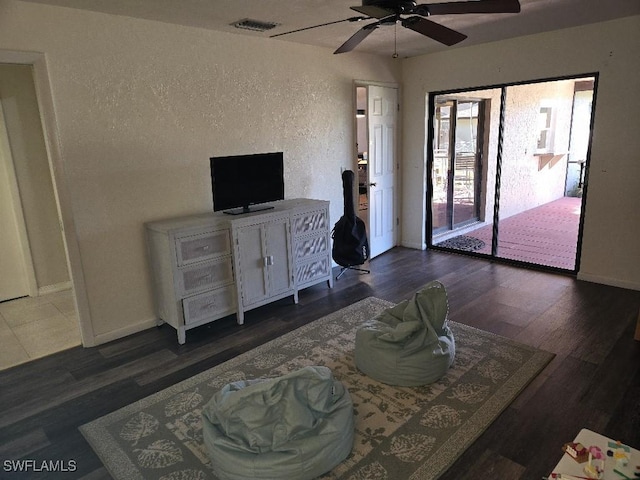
[[58, 287], [614, 282], [415, 246], [124, 332]]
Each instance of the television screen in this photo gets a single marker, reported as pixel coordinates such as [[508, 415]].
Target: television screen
[[244, 183]]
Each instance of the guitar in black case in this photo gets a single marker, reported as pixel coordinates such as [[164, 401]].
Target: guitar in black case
[[350, 243]]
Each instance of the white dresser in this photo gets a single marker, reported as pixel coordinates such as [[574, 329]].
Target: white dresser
[[205, 267]]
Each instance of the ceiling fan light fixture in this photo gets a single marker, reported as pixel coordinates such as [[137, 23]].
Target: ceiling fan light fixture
[[254, 25]]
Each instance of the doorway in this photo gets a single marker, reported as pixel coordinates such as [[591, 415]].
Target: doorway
[[17, 278], [531, 172], [42, 318], [457, 163], [376, 163], [579, 140]]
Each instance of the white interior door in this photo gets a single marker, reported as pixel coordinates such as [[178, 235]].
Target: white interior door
[[382, 113], [14, 278]]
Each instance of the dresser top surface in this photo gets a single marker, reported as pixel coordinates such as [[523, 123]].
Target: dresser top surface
[[222, 220]]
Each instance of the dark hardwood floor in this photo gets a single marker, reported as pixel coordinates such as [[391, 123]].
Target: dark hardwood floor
[[593, 382]]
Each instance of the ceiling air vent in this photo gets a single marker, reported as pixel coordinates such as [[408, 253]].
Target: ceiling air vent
[[255, 25]]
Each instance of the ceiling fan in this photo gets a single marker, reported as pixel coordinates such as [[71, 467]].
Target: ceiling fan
[[391, 12]]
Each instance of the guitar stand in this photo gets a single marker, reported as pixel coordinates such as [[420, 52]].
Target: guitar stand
[[344, 269]]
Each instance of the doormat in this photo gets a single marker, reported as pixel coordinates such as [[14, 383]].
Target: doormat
[[463, 242], [400, 432]]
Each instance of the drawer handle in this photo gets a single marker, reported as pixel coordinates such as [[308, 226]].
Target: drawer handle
[[209, 306]]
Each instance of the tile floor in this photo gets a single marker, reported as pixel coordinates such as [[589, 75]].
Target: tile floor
[[33, 327]]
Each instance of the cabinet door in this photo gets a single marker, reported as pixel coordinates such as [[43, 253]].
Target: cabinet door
[[279, 271], [252, 274]]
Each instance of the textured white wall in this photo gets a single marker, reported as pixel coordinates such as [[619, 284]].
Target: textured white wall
[[610, 250], [141, 106], [528, 180]]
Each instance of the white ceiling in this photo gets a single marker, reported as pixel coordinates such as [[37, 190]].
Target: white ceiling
[[536, 16]]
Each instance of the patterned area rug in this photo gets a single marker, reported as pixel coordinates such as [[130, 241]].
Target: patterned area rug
[[463, 242], [401, 432]]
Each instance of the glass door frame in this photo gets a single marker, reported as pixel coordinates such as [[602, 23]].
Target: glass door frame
[[452, 158], [429, 164]]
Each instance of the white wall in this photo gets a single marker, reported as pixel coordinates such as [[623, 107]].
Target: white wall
[[610, 250], [140, 106], [529, 180]]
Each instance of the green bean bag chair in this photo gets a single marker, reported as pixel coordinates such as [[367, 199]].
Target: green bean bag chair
[[294, 427], [409, 344]]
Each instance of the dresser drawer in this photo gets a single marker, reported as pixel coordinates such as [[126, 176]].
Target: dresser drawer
[[204, 276], [310, 222], [210, 305], [313, 245], [310, 271], [196, 248]]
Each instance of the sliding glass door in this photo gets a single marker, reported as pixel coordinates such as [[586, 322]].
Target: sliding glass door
[[524, 202]]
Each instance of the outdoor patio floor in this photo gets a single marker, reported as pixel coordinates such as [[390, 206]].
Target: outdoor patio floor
[[546, 235]]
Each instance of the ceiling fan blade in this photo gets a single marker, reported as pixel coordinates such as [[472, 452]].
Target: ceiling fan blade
[[357, 37], [434, 30], [373, 11], [351, 19], [470, 6]]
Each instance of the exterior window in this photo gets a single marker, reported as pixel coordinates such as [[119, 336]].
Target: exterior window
[[545, 129]]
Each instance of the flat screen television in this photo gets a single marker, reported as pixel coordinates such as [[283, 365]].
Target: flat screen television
[[245, 183]]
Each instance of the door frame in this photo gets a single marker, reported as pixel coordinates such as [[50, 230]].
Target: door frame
[[396, 181], [479, 150], [428, 194], [16, 206], [62, 195]]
